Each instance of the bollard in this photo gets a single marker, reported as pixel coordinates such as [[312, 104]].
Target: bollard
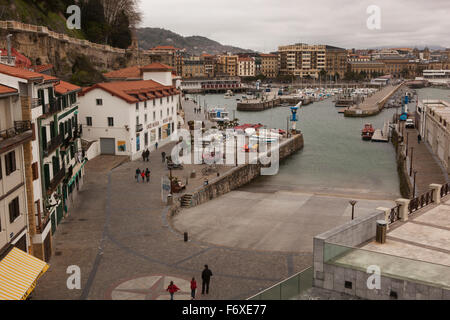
[[186, 238]]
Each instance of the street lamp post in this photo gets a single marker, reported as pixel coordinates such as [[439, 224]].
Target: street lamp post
[[411, 166], [353, 202], [414, 184]]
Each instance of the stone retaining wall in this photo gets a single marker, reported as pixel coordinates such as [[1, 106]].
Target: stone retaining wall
[[236, 177]]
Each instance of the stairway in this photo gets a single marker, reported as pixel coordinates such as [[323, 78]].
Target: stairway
[[186, 201]]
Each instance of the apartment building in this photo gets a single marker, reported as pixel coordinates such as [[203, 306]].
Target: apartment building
[[371, 68], [336, 58], [15, 135], [48, 107], [209, 62], [228, 65], [269, 65], [168, 55], [129, 117], [302, 60], [194, 68], [246, 67]]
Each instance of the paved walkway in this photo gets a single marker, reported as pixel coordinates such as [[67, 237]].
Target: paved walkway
[[428, 168], [119, 236]]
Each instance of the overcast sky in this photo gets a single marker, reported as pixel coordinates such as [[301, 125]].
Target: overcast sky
[[262, 25]]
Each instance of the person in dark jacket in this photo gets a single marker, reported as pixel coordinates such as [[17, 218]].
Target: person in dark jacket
[[147, 175], [206, 277], [419, 138], [138, 174], [172, 289], [163, 156]]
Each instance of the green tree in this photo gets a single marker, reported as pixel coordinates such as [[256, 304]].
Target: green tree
[[121, 36], [93, 22]]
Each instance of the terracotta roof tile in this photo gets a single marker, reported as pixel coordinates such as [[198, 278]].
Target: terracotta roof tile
[[20, 73], [65, 87], [42, 68], [7, 90], [128, 90]]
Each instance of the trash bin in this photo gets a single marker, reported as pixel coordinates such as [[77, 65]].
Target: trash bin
[[381, 231], [169, 200]]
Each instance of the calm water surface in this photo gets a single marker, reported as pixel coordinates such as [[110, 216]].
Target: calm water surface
[[335, 159]]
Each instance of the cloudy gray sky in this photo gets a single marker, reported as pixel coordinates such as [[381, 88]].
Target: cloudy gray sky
[[262, 25]]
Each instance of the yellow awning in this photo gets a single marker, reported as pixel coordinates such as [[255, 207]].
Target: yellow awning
[[19, 272]]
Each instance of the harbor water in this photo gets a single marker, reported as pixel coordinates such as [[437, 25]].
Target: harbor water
[[335, 160]]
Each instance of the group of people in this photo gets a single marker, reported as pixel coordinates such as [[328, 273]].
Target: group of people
[[206, 277], [198, 110], [144, 175], [146, 156]]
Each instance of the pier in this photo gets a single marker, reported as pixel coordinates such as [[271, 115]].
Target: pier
[[381, 135], [374, 104]]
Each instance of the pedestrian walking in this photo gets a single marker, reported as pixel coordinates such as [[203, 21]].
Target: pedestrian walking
[[147, 175], [147, 155], [193, 288], [144, 154], [138, 174], [172, 288], [206, 277], [143, 176], [163, 156], [419, 138], [156, 146]]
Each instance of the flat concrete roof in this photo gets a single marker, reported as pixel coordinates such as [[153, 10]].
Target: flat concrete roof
[[418, 249]]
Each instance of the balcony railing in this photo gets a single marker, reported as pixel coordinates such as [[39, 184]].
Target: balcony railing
[[50, 108], [19, 128], [36, 102], [53, 145], [59, 176]]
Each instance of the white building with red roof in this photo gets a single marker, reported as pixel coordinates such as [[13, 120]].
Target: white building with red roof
[[129, 117]]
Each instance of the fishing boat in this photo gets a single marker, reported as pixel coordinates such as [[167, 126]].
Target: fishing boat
[[367, 132]]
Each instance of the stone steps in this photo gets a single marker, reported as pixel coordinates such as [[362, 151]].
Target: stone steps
[[186, 201]]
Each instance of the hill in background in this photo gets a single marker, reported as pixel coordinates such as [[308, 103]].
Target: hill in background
[[195, 45]]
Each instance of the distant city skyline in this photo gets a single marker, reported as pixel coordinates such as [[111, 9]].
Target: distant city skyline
[[263, 25]]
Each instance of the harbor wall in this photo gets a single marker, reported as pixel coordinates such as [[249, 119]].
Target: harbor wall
[[258, 106], [236, 177], [374, 109], [402, 170]]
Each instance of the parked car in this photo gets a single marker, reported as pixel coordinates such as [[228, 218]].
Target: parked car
[[409, 123]]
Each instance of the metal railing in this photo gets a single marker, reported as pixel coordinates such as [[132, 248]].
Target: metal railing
[[51, 108], [35, 102], [57, 178], [19, 128], [289, 288], [394, 215], [53, 144], [445, 190], [421, 201]]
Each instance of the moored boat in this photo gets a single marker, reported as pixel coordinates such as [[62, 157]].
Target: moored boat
[[367, 132]]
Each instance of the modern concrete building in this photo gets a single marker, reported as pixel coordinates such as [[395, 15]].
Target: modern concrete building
[[434, 124], [130, 116], [302, 60], [394, 253]]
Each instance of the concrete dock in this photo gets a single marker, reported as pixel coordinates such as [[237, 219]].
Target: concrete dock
[[381, 135], [373, 104]]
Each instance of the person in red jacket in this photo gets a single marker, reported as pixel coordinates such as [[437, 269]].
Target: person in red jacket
[[193, 288], [172, 289]]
